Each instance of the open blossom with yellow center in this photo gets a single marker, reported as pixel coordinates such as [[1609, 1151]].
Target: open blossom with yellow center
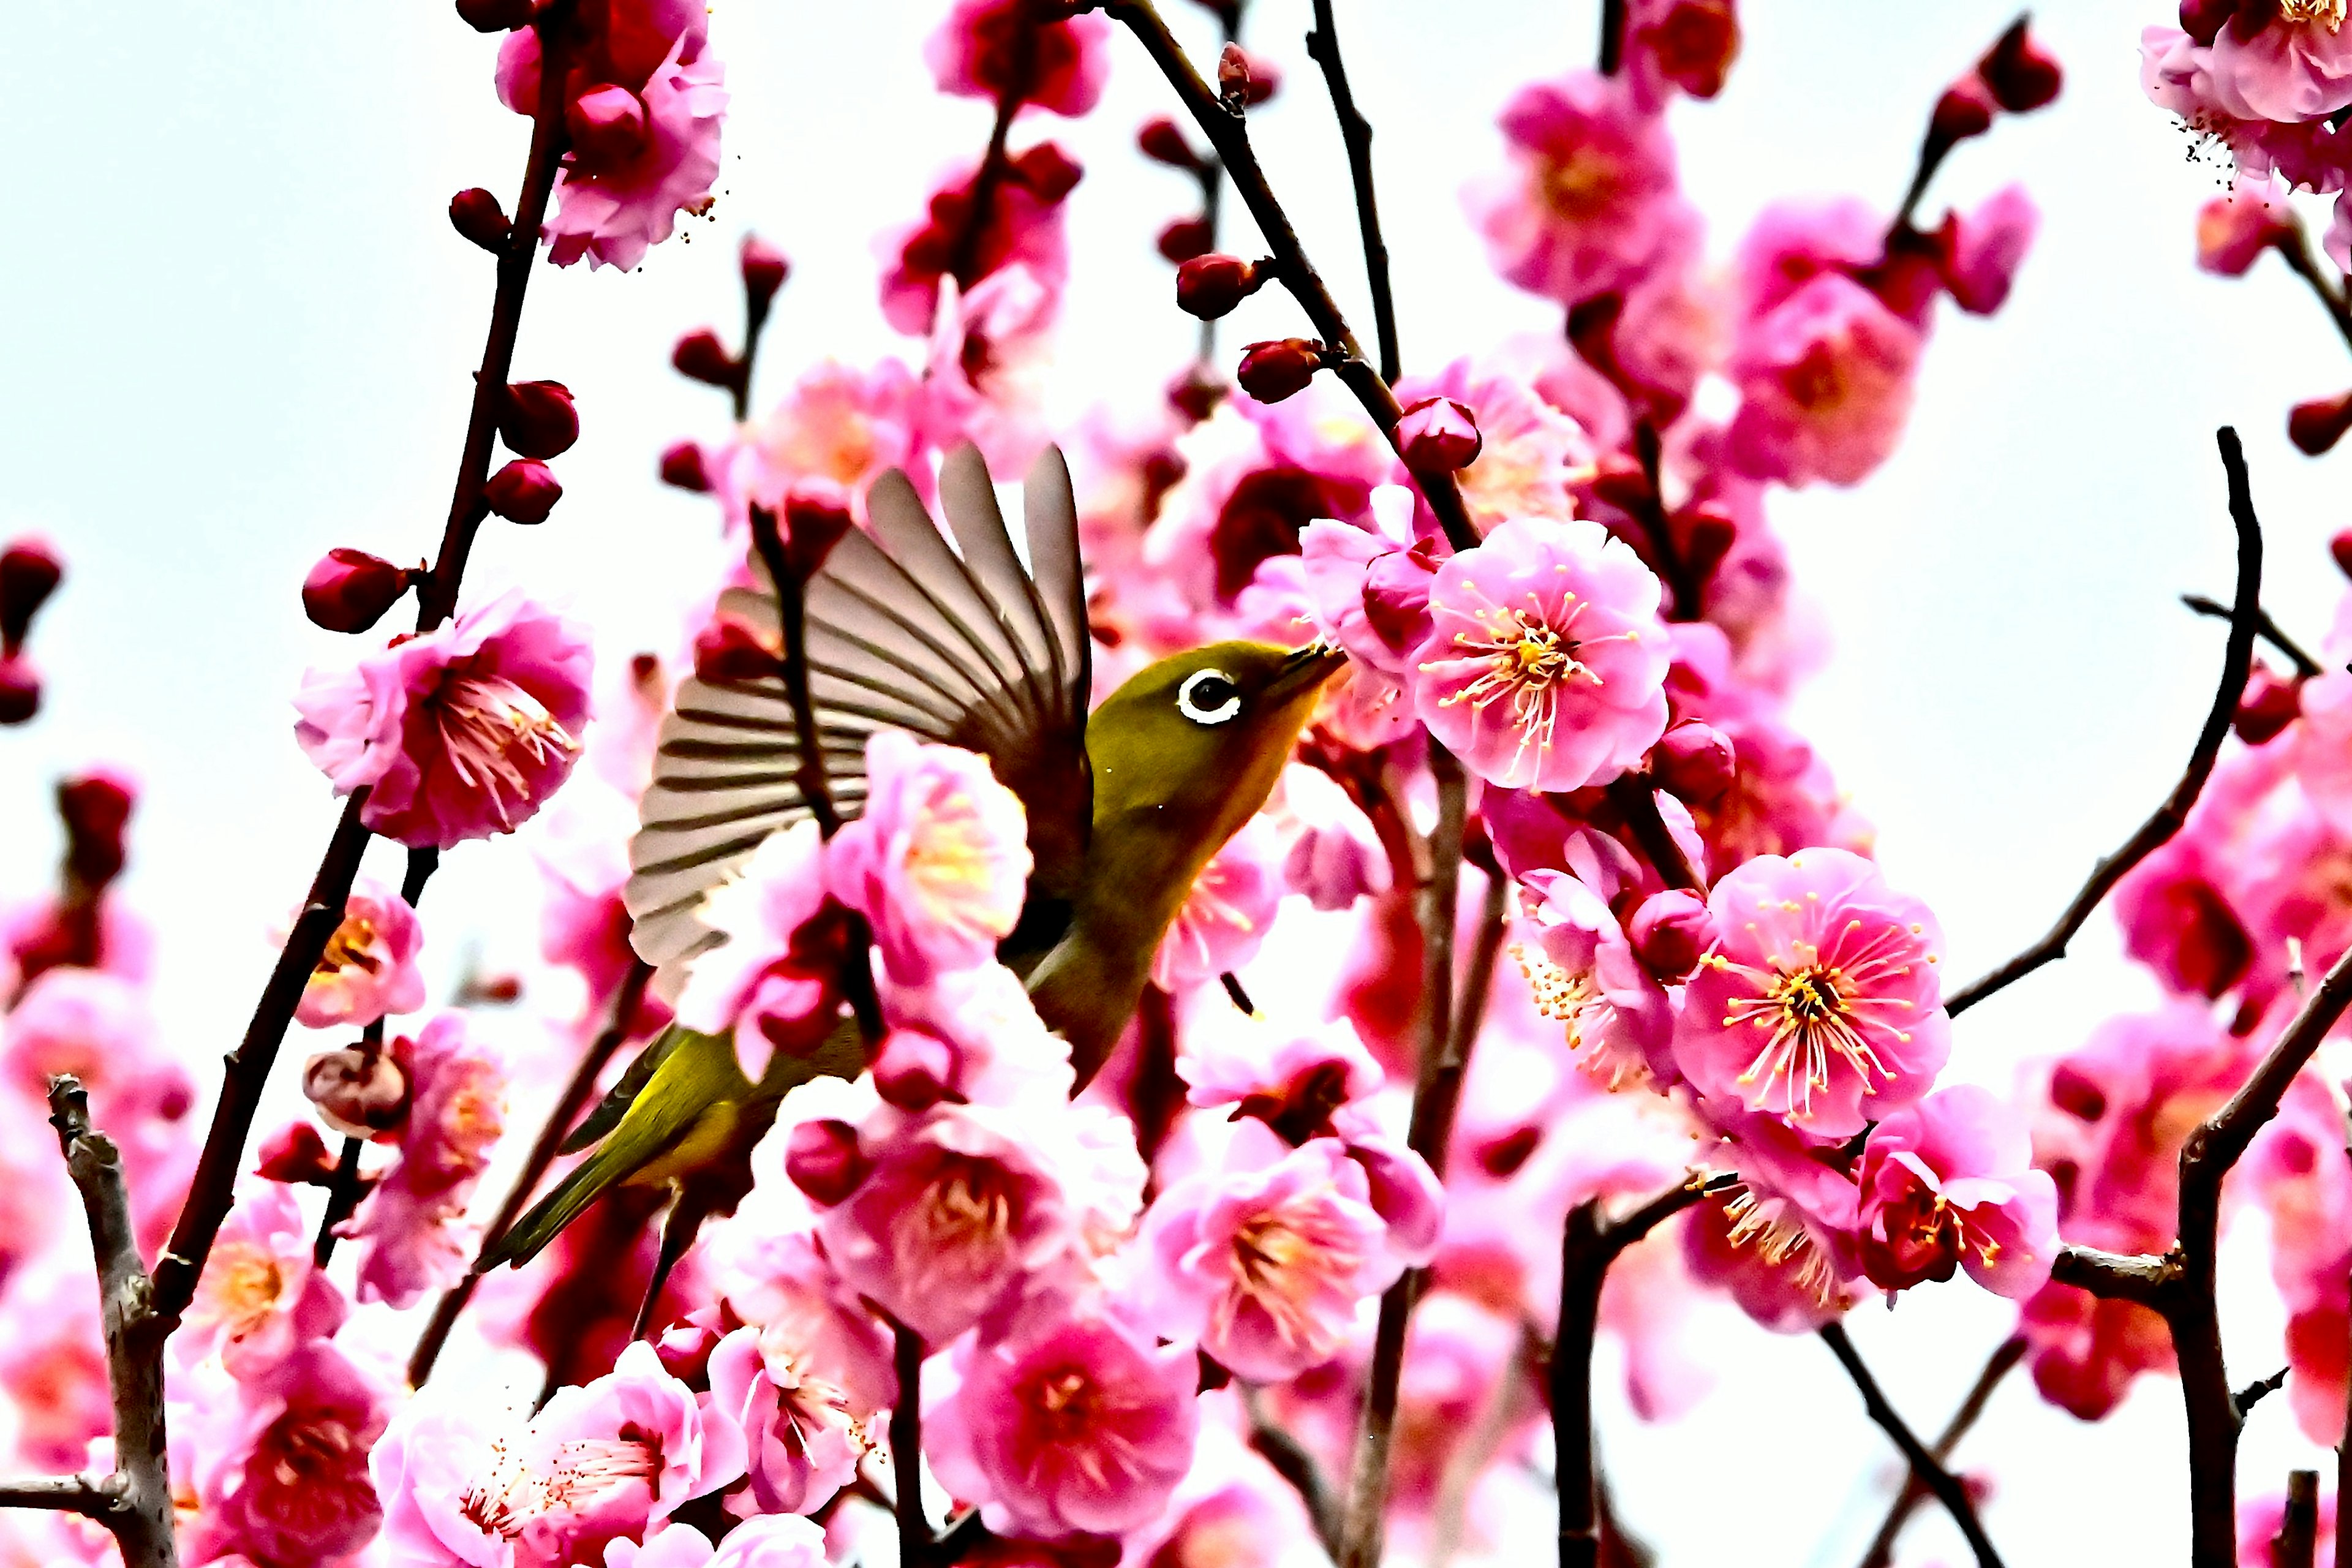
[[259, 1296], [369, 967], [1820, 1003], [2329, 14]]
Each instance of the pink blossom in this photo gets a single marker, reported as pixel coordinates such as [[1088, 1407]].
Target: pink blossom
[[811, 1324], [1457, 1355], [1949, 1182], [938, 864], [1224, 919], [799, 1431], [979, 51], [2300, 1176], [1821, 1002], [1591, 194], [1079, 1422], [1984, 248], [770, 1540], [834, 433], [1230, 1510], [773, 979], [1792, 242], [986, 1043], [53, 1360], [288, 1485], [1528, 447], [1581, 971], [2296, 65], [1369, 587], [1265, 1260], [259, 1296], [369, 969], [2086, 1352], [1546, 662], [414, 1217], [1770, 1272], [1025, 223], [459, 733], [1335, 856], [1791, 1227], [984, 378], [1292, 1082], [2180, 75], [1825, 382]]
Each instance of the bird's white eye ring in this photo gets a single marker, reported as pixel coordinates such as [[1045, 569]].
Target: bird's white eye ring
[[1208, 696]]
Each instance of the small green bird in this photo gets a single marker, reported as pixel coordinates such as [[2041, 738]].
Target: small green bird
[[965, 646]]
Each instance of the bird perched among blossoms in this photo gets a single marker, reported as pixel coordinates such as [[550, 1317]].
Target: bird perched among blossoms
[[960, 643]]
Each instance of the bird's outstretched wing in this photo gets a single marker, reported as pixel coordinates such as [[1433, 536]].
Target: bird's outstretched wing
[[954, 642]]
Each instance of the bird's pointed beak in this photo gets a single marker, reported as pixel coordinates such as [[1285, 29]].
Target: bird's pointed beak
[[1306, 670]]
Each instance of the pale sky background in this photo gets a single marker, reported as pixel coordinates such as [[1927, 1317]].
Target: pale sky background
[[239, 329]]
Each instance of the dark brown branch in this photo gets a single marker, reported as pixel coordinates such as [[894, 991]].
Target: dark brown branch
[[1294, 1464], [86, 1495], [543, 1150], [1323, 48], [1229, 133], [907, 1448], [2255, 1393], [1680, 583], [1612, 37], [1946, 1487], [2237, 660], [2296, 1545], [2006, 1357], [2266, 627], [1636, 800], [2120, 1277], [1589, 1243]]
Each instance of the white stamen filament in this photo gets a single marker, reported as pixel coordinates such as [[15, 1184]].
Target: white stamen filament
[[491, 728]]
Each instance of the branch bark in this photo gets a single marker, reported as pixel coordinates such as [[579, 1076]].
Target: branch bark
[[915, 1546], [1323, 48], [1931, 1474], [2004, 1357], [2157, 830]]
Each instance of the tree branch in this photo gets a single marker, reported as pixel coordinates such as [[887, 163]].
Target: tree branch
[[1636, 800], [2266, 627], [1323, 48], [2159, 829], [1294, 1464], [2298, 256], [86, 1495], [2004, 1357], [2296, 1545], [907, 1448], [2116, 1276], [1228, 134], [1946, 1486]]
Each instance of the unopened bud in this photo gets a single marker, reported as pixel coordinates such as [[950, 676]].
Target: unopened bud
[[1185, 238], [1163, 141], [537, 419], [1278, 368], [495, 15], [2203, 20], [1694, 762], [607, 125], [914, 1070], [764, 270], [814, 524], [2340, 548], [1211, 286], [682, 465], [1708, 531], [523, 491], [1047, 171], [358, 1092], [685, 1351], [20, 690], [700, 356], [823, 1161], [2317, 424], [728, 651], [296, 1155], [1194, 394], [1966, 110], [29, 573], [350, 590], [2021, 74], [1670, 933], [1437, 435], [2232, 231], [1233, 76], [2271, 702], [96, 811], [476, 213]]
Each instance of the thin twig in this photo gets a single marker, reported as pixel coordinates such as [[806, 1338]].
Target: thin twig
[[1294, 1464], [1229, 133], [2267, 628], [1612, 37], [2297, 254], [1682, 583], [907, 1447], [2007, 1355], [1946, 1487], [85, 1495], [2237, 661], [2296, 1545], [1636, 800], [1323, 48]]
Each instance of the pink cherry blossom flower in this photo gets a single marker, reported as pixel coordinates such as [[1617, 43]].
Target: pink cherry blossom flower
[[1592, 190], [983, 381], [1025, 223], [811, 1326], [1265, 1260], [2179, 76], [1080, 1422], [1581, 971], [415, 1217], [53, 1362], [770, 1540], [986, 1043], [369, 969], [1224, 919], [2297, 1170], [2086, 1352], [288, 1483], [834, 433], [1335, 856], [1368, 588], [1292, 1081], [1792, 242], [980, 51], [1825, 382], [799, 1431], [773, 979], [1230, 1510], [1546, 662], [457, 733], [259, 1296], [1950, 1184], [1984, 248], [938, 864], [1795, 1218], [1528, 447], [2296, 65]]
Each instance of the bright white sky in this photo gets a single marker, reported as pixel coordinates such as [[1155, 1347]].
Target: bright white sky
[[240, 330]]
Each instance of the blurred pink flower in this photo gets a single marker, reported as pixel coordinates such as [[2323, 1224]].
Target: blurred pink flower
[[2086, 1353], [259, 1298], [369, 969], [983, 381], [53, 1362], [1078, 1423], [2182, 78], [459, 733], [1528, 447], [1025, 223], [1825, 383], [833, 434], [1224, 919], [1950, 1184], [287, 1480], [1368, 586], [996, 49], [938, 863], [1546, 659], [1982, 250], [2299, 1175], [415, 1217], [775, 978], [1293, 1082], [1793, 241], [1335, 856], [770, 1540], [799, 1432]]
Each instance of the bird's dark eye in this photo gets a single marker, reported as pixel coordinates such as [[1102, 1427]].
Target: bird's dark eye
[[1208, 696]]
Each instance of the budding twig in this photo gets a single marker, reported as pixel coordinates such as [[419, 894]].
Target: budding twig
[[1323, 48], [1946, 1487], [2237, 662]]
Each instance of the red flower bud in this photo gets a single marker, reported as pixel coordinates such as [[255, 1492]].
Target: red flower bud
[[29, 573], [20, 690], [2203, 20], [1163, 142], [2020, 73], [296, 1154], [358, 1092], [523, 491], [2271, 702], [1437, 435], [476, 213], [96, 811], [814, 524], [537, 419], [495, 15], [1233, 75], [1195, 395], [1185, 238], [682, 465], [2317, 424], [2340, 547], [1209, 286], [728, 650], [1048, 171], [350, 590], [823, 1161], [1708, 531], [700, 356], [607, 125], [1670, 931], [1966, 110], [912, 1069], [1693, 761], [764, 270], [1279, 368]]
